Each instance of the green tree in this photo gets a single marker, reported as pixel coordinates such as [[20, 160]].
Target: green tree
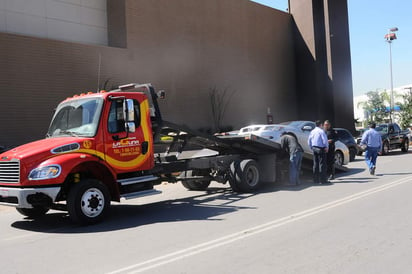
[[405, 114], [375, 106]]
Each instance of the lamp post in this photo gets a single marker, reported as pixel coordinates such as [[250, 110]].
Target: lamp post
[[390, 36]]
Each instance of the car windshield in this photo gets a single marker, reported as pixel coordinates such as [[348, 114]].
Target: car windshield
[[76, 118], [382, 128]]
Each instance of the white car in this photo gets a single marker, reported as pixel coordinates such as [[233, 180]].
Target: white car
[[301, 130]]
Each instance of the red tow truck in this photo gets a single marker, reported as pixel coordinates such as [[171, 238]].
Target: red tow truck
[[105, 146]]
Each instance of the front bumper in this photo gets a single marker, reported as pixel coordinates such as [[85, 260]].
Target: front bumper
[[26, 197]]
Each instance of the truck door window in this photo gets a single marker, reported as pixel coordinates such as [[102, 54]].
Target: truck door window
[[116, 121], [397, 128]]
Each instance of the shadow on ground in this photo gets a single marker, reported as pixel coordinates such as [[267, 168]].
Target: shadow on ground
[[122, 216]]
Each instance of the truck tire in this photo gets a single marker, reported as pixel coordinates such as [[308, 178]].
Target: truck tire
[[197, 184], [244, 176], [385, 148], [405, 145], [88, 202], [34, 212]]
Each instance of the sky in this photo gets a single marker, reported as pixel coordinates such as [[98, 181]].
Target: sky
[[369, 21]]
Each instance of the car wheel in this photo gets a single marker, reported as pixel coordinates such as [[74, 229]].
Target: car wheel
[[405, 146], [385, 148], [338, 158]]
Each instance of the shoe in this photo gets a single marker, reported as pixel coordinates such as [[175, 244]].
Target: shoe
[[332, 177], [373, 170]]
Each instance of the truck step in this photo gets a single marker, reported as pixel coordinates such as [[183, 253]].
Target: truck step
[[143, 193], [137, 180]]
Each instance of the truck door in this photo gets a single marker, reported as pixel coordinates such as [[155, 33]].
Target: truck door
[[395, 136], [392, 135], [128, 151]]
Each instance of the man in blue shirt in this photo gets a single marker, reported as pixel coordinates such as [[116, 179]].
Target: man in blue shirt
[[318, 143], [373, 142]]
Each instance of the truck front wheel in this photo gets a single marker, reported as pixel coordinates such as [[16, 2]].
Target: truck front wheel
[[244, 176], [88, 202], [34, 212], [405, 145]]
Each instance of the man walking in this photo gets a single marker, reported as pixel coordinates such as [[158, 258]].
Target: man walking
[[290, 144], [330, 156], [318, 143], [373, 141]]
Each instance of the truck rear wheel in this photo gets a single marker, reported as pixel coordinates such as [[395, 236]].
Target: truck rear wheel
[[244, 176], [385, 148], [34, 212], [196, 184], [405, 145], [88, 202]]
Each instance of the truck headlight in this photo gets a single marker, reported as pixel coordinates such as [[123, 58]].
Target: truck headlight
[[46, 172]]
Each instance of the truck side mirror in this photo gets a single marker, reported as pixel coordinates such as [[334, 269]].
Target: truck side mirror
[[128, 107], [130, 127]]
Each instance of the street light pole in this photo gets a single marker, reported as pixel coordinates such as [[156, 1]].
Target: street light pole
[[390, 36], [390, 66]]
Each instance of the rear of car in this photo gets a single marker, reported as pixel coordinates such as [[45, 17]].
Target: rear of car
[[346, 137]]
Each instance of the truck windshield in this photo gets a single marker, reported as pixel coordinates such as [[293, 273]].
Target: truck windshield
[[76, 118]]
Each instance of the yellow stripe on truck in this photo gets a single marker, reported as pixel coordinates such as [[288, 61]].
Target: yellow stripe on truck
[[139, 160]]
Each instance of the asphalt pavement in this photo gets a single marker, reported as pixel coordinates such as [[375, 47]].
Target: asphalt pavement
[[358, 224]]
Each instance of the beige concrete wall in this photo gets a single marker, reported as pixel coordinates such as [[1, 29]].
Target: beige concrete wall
[[182, 46], [83, 21]]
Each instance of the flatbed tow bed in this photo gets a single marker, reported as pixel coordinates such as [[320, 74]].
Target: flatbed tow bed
[[243, 161]]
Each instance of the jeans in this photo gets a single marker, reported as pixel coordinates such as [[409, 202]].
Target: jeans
[[371, 153], [319, 165], [294, 167]]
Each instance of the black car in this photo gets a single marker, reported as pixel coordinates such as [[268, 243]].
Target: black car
[[346, 137]]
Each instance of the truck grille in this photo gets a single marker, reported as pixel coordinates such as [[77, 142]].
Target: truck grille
[[10, 172]]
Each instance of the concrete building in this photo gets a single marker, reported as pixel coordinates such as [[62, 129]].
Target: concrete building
[[297, 64]]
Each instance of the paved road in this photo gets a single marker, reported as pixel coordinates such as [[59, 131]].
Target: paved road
[[360, 224]]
